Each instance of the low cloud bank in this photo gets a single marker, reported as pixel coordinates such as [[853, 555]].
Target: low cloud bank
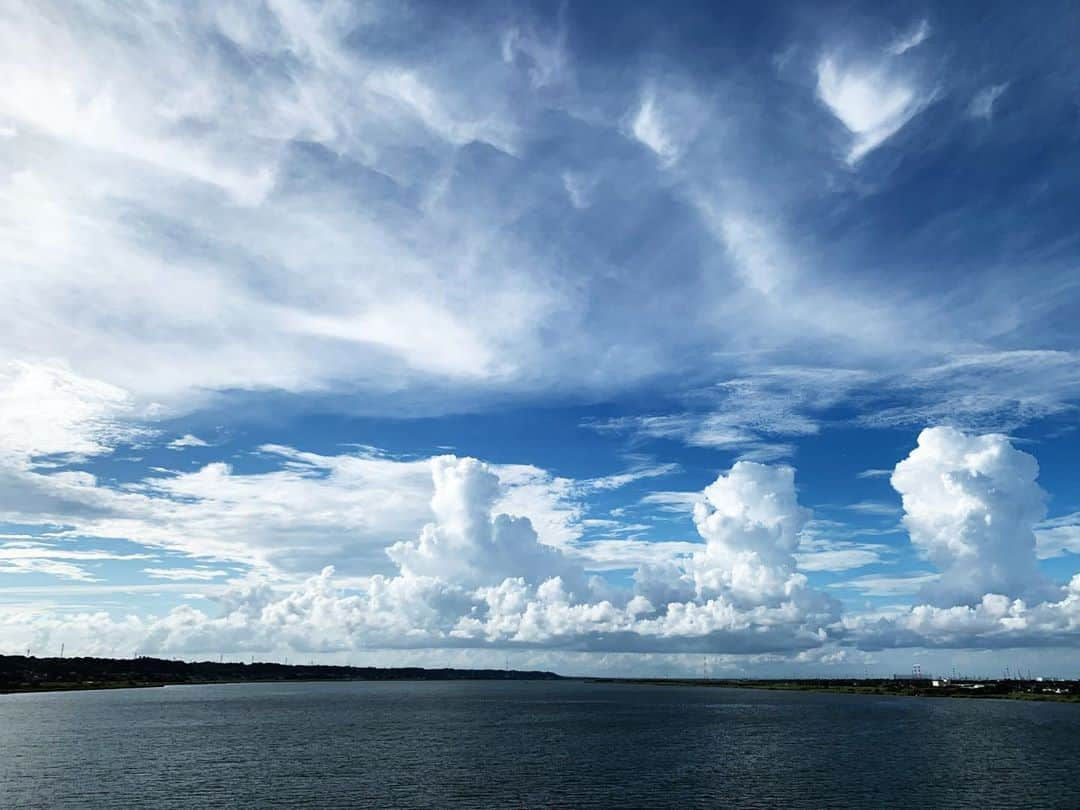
[[477, 577]]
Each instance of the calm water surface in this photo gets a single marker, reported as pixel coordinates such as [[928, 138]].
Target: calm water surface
[[476, 744]]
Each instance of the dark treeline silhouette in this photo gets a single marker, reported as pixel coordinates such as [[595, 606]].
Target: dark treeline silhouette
[[22, 673]]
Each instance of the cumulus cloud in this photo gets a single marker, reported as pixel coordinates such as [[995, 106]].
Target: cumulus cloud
[[467, 544], [302, 511], [994, 621], [271, 204], [970, 506], [475, 577], [750, 520]]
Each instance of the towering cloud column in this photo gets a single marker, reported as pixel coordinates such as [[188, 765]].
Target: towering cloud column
[[468, 544], [970, 506], [750, 520]]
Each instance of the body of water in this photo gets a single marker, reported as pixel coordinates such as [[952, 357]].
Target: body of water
[[529, 744]]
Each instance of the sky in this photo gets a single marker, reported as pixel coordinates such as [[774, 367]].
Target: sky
[[597, 337]]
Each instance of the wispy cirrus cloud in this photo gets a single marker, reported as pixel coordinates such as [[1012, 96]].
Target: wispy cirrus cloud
[[982, 103], [1058, 536], [187, 440], [873, 95], [888, 585]]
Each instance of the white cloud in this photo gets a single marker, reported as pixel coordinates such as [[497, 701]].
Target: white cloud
[[184, 574], [672, 501], [750, 520], [477, 578], [270, 206], [982, 104], [199, 190], [874, 101], [889, 585], [880, 508], [638, 473], [758, 257], [620, 554], [821, 554], [38, 565], [414, 94], [669, 115], [1058, 536], [579, 188], [649, 128], [983, 391], [749, 414], [747, 573], [970, 505], [307, 510], [912, 39], [187, 440], [994, 621], [469, 546], [61, 561], [50, 410], [545, 56], [38, 548]]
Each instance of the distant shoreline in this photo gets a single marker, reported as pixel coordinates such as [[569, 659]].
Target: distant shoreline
[[29, 675], [882, 687], [104, 687]]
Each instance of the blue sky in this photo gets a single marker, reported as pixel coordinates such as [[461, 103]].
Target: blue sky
[[604, 337]]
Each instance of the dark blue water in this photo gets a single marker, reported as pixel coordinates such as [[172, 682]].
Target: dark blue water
[[476, 744]]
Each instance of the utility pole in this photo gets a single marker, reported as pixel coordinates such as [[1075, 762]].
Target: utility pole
[[61, 650]]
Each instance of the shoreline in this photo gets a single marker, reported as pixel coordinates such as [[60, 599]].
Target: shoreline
[[855, 688], [858, 687], [102, 687], [21, 674]]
